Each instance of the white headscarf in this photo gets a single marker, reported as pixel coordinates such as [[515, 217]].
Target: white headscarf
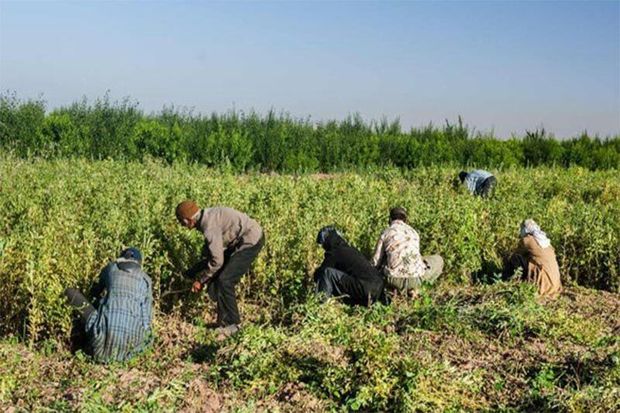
[[530, 227]]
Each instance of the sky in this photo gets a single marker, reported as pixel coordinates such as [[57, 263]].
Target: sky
[[505, 67]]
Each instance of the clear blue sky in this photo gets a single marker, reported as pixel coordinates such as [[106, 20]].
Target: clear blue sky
[[506, 66]]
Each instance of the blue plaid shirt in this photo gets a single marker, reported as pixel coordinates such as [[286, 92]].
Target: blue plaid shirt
[[121, 326]]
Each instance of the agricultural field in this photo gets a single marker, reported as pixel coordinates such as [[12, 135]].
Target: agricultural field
[[471, 343]]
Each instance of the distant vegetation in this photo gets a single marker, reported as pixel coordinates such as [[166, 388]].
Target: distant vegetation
[[275, 141]]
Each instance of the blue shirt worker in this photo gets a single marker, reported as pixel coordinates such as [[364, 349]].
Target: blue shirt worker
[[479, 182], [118, 325]]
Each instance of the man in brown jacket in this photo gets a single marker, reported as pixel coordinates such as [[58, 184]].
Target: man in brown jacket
[[232, 242]]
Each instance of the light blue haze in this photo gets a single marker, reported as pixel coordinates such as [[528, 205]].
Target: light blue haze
[[503, 66]]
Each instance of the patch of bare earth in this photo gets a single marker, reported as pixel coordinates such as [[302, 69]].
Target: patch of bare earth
[[201, 398]]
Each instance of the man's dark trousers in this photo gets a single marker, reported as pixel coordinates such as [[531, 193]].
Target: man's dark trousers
[[222, 287]]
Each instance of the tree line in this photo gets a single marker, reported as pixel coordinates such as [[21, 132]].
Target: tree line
[[107, 129]]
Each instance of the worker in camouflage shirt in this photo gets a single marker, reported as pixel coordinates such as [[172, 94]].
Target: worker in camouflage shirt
[[118, 325], [397, 255]]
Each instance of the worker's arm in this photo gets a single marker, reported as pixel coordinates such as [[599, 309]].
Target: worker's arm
[[215, 256], [532, 247], [328, 262], [100, 285], [147, 303], [525, 245], [377, 258]]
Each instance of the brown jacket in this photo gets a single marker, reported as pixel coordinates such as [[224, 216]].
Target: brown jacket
[[225, 228], [542, 267]]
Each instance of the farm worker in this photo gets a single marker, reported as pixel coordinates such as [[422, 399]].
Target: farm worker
[[479, 182], [232, 242], [118, 325], [346, 272], [536, 257], [397, 255]]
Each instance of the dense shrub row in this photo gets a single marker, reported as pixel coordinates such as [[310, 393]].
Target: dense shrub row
[[275, 142], [62, 220]]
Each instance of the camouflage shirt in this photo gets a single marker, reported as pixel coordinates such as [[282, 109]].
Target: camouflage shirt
[[398, 252]]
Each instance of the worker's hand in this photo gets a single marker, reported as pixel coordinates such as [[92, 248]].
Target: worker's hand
[[197, 286]]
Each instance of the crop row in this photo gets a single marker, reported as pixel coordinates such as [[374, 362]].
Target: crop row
[[63, 220]]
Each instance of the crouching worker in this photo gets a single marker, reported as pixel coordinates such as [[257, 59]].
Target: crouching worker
[[479, 182], [398, 257], [118, 325], [232, 242], [536, 258], [345, 272]]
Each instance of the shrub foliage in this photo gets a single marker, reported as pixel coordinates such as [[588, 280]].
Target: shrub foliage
[[274, 142]]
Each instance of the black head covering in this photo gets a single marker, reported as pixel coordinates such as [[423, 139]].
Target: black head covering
[[398, 213], [329, 236], [132, 253]]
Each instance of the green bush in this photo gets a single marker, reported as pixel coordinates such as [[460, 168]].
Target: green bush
[[64, 135], [276, 141], [151, 138], [21, 125]]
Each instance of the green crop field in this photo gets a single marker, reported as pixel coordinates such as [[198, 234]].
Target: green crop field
[[467, 344]]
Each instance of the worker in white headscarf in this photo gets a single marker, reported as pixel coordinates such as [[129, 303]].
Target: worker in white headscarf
[[536, 257]]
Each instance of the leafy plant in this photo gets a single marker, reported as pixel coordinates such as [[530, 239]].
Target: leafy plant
[[276, 141]]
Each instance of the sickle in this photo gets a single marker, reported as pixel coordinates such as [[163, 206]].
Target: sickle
[[170, 292]]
